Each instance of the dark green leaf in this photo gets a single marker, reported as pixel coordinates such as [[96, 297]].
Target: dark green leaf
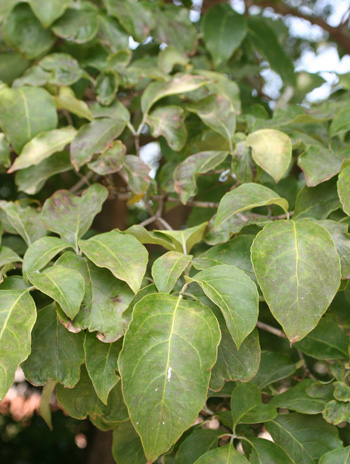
[[127, 447], [317, 202], [79, 26], [168, 268], [196, 444], [48, 12], [273, 367], [267, 452], [224, 455], [341, 456]]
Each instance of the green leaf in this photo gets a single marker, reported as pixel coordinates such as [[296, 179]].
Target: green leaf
[[44, 406], [224, 455], [79, 26], [106, 87], [24, 33], [342, 391], [297, 399], [66, 100], [92, 138], [41, 253], [168, 121], [8, 256], [223, 32], [25, 221], [127, 314], [317, 202], [267, 452], [24, 113], [320, 164], [266, 43], [168, 268], [185, 239], [247, 406], [82, 401], [294, 261], [115, 111], [236, 295], [247, 196], [46, 12], [196, 444], [341, 456], [186, 172], [111, 160], [169, 57], [235, 252], [43, 146], [5, 160], [343, 186], [340, 124], [137, 172], [180, 83], [326, 341], [218, 113], [17, 318], [271, 150], [152, 237], [101, 363], [31, 180], [133, 16], [177, 342], [336, 412], [71, 216], [304, 438], [12, 65], [126, 446], [63, 68], [273, 367], [112, 34], [105, 299], [56, 354], [122, 254]]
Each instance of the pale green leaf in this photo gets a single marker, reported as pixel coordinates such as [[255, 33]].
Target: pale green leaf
[[339, 456], [7, 255], [169, 57], [185, 239], [340, 124], [343, 186], [336, 412], [168, 121], [5, 160], [111, 160], [63, 68], [152, 237], [48, 12], [66, 100], [177, 342], [112, 34], [41, 252], [168, 268], [137, 172], [45, 400]]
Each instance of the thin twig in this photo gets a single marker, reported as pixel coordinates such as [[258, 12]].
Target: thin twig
[[148, 221], [270, 329], [163, 222], [84, 180]]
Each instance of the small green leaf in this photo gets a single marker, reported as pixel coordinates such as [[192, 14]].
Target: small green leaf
[[186, 172], [122, 254], [168, 268], [111, 160], [24, 113], [181, 339], [43, 146], [341, 456], [342, 391], [224, 455], [168, 121], [344, 189], [288, 257], [41, 252], [196, 444], [336, 412], [317, 202], [137, 172], [185, 239], [267, 452], [247, 406], [340, 124], [56, 354], [169, 57], [273, 367], [223, 32], [247, 196], [106, 87], [152, 237], [71, 216], [65, 286], [127, 447], [17, 318], [304, 438], [66, 100], [112, 34], [101, 363], [5, 160], [271, 150], [235, 294], [45, 400], [63, 68], [8, 256], [46, 12], [79, 26]]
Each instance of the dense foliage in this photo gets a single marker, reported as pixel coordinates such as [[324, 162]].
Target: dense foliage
[[190, 344]]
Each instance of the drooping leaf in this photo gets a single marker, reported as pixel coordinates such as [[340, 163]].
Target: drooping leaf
[[101, 363], [56, 354], [94, 137], [247, 406], [127, 447], [224, 455], [168, 268], [24, 113], [247, 196], [287, 258], [168, 121], [320, 164], [82, 401], [223, 32], [217, 112], [177, 342], [152, 237], [317, 202], [79, 26], [186, 172], [340, 455], [326, 341], [235, 294], [137, 172], [48, 12], [122, 254], [271, 150], [71, 216], [304, 438], [31, 180], [17, 318], [267, 452], [105, 299], [23, 32], [41, 252], [43, 146], [196, 444], [45, 400], [111, 160], [273, 367], [180, 83], [185, 239]]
